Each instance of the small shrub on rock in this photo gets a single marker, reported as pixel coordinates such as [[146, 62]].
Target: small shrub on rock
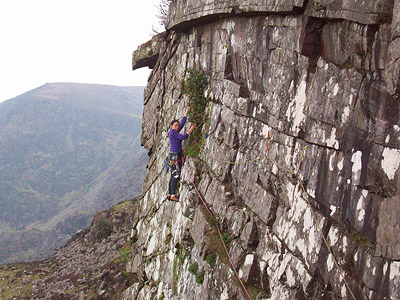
[[194, 86], [211, 259]]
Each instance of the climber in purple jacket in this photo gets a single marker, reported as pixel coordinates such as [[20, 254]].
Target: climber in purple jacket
[[175, 154]]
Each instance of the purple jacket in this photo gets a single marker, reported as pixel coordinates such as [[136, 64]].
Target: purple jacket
[[175, 138]]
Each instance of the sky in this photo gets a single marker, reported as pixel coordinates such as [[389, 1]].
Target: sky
[[84, 41]]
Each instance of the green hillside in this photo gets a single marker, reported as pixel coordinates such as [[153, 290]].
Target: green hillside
[[64, 148]]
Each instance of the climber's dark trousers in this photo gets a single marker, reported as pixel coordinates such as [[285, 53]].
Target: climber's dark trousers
[[175, 172]]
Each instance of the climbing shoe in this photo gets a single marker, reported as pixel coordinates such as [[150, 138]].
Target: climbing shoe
[[174, 198]]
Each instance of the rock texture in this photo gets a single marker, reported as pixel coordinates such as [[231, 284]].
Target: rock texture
[[317, 215]]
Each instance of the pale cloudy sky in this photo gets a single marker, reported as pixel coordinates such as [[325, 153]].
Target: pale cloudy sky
[[87, 41]]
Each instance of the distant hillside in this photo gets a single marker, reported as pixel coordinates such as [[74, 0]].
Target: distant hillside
[[65, 149]]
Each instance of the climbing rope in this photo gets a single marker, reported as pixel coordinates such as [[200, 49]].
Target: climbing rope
[[222, 239], [301, 183]]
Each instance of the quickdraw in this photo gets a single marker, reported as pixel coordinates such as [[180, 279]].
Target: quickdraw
[[205, 141], [269, 139], [166, 164]]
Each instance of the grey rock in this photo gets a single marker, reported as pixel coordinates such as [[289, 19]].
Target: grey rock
[[316, 85], [182, 12], [147, 54], [365, 12], [201, 231], [388, 231]]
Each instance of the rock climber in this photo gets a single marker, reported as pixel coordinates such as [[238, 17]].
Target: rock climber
[[175, 154]]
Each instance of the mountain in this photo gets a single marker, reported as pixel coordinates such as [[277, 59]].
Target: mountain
[[65, 148], [290, 188]]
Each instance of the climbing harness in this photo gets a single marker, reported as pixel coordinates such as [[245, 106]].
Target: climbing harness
[[172, 161]]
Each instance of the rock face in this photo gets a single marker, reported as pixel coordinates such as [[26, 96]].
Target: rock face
[[301, 163]]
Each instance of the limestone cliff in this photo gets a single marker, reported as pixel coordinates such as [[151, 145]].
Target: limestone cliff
[[301, 163]]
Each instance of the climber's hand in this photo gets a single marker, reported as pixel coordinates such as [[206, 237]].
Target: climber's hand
[[187, 110]]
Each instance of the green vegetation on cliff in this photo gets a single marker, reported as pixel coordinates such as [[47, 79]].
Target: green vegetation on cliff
[[194, 86]]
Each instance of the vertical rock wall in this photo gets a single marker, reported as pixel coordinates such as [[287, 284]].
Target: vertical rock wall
[[317, 217]]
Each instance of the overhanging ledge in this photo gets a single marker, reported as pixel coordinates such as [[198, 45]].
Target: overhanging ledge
[[146, 55]]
